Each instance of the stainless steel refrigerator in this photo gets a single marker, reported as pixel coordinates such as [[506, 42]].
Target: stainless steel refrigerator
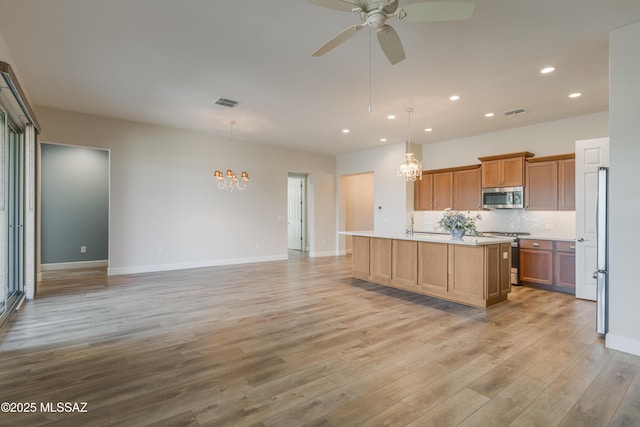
[[602, 235]]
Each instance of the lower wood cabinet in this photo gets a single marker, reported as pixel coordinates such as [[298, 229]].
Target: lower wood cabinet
[[551, 264], [536, 261], [564, 265], [468, 274]]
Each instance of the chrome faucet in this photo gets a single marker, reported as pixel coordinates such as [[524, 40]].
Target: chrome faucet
[[410, 229]]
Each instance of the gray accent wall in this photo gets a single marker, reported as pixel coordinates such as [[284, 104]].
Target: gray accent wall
[[75, 204]]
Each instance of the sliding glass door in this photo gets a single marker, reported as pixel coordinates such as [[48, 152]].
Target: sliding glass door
[[12, 213]]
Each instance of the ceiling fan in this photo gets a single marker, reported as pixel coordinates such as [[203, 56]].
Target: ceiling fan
[[374, 14]]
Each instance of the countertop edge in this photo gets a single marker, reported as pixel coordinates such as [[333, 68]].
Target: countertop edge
[[557, 238], [435, 238]]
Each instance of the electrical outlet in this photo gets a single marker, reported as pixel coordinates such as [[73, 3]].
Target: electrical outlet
[[83, 249]]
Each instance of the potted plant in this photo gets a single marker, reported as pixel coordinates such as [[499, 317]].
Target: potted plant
[[458, 224]]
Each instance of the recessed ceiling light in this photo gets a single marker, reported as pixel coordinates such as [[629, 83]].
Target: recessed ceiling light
[[391, 117], [490, 114], [428, 130], [383, 139], [454, 97], [345, 130], [547, 70], [575, 95]]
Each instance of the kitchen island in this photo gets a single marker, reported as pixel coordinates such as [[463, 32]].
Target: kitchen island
[[473, 271]]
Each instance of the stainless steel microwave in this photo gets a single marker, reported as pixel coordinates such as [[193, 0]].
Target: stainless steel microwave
[[503, 198]]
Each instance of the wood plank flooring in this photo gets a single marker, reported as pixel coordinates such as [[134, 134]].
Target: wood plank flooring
[[300, 343]]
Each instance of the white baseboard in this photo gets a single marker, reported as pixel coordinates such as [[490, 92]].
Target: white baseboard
[[73, 265], [111, 271], [317, 254], [619, 343]]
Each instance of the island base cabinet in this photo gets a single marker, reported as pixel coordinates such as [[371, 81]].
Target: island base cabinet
[[473, 275], [498, 270], [432, 268], [380, 260], [466, 269], [360, 257], [404, 264]]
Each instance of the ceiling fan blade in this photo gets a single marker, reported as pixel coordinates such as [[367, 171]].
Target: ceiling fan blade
[[338, 40], [344, 5], [391, 44], [437, 11]]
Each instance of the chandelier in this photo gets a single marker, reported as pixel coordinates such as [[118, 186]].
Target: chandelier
[[410, 168], [229, 181]]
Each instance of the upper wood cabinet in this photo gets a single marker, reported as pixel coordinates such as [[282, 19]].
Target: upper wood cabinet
[[541, 189], [442, 191], [434, 192], [423, 193], [567, 184], [506, 170], [467, 189], [457, 188], [550, 183]]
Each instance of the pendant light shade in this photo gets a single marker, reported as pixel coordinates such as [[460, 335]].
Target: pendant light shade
[[410, 168], [229, 181]]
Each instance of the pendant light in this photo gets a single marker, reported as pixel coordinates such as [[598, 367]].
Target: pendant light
[[229, 181], [410, 168]]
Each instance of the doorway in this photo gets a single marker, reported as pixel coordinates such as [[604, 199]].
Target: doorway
[[357, 212], [75, 207], [296, 212]]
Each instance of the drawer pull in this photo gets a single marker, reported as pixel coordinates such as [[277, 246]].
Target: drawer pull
[[535, 244], [572, 247]]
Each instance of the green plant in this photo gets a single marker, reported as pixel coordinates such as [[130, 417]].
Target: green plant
[[454, 220]]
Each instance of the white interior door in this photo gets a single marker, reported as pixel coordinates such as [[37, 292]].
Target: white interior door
[[295, 213], [590, 155]]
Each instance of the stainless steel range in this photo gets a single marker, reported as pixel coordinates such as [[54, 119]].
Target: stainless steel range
[[515, 250]]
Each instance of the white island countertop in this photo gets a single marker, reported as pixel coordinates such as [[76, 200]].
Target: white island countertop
[[431, 237]]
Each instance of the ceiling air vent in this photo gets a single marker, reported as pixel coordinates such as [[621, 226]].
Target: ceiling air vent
[[515, 112], [226, 102]]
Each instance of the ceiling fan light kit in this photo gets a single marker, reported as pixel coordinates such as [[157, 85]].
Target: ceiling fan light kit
[[374, 14]]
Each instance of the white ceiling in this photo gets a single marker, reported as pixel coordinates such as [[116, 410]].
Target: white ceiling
[[166, 61]]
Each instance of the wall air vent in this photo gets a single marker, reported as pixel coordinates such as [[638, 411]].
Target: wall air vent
[[516, 112], [226, 102]]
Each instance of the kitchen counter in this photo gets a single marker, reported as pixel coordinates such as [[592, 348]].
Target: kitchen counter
[[432, 237], [473, 271], [555, 238]]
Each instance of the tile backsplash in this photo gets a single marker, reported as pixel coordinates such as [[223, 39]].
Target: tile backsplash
[[560, 224]]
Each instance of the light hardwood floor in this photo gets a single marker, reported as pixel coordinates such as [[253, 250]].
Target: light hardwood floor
[[301, 343]]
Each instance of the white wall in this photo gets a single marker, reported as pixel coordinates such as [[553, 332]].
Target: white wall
[[624, 204], [543, 139], [165, 210]]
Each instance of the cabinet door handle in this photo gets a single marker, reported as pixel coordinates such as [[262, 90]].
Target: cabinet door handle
[[535, 244]]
